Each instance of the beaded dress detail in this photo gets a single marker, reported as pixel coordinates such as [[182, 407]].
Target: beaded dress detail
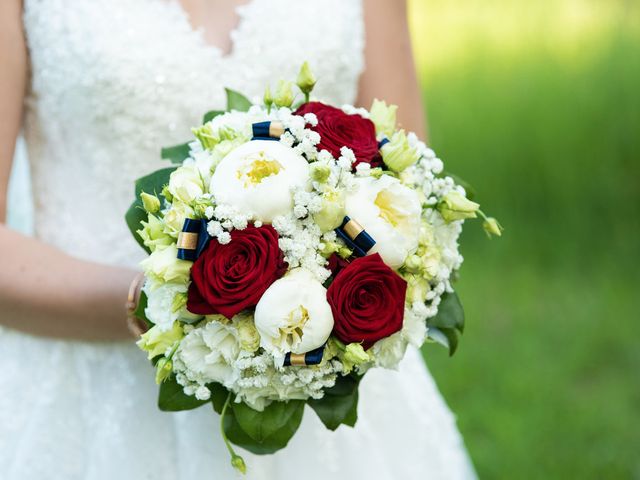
[[112, 82]]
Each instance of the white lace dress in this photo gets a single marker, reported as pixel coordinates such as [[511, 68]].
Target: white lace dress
[[111, 83]]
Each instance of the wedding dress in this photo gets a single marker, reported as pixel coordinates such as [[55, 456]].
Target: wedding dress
[[111, 83]]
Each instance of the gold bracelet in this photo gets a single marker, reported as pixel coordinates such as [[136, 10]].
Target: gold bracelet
[[136, 325]]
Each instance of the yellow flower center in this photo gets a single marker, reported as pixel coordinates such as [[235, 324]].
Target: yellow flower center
[[261, 168], [296, 320], [388, 211]]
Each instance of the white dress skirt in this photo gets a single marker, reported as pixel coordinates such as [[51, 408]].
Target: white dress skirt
[[111, 83]]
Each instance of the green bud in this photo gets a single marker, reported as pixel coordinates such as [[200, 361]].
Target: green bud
[[284, 94], [398, 154], [164, 367], [328, 248], [413, 264], [492, 227], [376, 172], [383, 117], [306, 80], [319, 172], [267, 98], [210, 138], [331, 214], [355, 354], [166, 193], [455, 206], [238, 463], [151, 203], [248, 335], [153, 234], [345, 252], [205, 135]]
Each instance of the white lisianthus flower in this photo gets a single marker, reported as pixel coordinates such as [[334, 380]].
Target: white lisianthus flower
[[185, 183], [258, 178], [208, 353], [414, 327], [156, 341], [389, 351], [175, 216], [293, 315], [160, 302], [163, 266], [390, 213]]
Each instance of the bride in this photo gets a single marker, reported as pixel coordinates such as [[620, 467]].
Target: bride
[[97, 88]]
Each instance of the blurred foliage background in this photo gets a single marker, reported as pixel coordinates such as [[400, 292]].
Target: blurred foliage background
[[537, 104]]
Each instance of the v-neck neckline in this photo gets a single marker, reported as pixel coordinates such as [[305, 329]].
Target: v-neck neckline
[[200, 32]]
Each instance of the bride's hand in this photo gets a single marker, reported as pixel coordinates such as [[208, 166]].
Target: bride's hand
[[46, 292]]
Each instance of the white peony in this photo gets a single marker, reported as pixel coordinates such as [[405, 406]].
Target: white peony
[[258, 178], [208, 353], [293, 315], [390, 213]]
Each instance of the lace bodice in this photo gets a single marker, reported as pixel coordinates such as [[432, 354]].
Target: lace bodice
[[115, 81]]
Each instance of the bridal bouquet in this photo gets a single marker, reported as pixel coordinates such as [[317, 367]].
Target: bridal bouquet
[[292, 247]]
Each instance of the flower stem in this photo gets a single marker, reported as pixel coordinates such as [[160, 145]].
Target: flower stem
[[484, 217], [236, 460]]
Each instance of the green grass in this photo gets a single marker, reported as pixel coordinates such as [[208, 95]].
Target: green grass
[[546, 382]]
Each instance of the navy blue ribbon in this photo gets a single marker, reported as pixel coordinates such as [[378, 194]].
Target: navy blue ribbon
[[267, 130], [383, 142], [193, 239], [314, 357], [355, 237]]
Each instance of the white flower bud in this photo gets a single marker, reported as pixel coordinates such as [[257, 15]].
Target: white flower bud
[[150, 203]]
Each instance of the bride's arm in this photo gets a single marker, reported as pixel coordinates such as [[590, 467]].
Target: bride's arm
[[42, 290], [390, 72]]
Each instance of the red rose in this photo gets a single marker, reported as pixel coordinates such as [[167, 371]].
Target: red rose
[[226, 279], [338, 129], [367, 301]]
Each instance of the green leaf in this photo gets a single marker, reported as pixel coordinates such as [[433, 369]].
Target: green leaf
[[218, 396], [450, 313], [173, 399], [153, 184], [263, 432], [133, 217], [339, 404], [237, 101], [211, 115], [176, 154], [445, 325], [140, 309]]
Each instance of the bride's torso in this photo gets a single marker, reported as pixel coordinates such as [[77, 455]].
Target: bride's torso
[[113, 82]]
